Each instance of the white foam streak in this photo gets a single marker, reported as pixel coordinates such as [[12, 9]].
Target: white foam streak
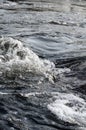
[[69, 108]]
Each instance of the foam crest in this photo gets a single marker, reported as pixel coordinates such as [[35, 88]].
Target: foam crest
[[69, 108], [16, 58]]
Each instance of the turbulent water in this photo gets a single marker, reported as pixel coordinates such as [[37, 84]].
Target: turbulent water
[[42, 65]]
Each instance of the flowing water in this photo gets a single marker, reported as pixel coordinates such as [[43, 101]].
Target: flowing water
[[42, 65]]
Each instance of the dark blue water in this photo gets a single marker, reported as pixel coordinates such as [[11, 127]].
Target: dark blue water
[[43, 65]]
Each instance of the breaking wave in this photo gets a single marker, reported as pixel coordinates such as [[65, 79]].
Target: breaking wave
[[16, 59]]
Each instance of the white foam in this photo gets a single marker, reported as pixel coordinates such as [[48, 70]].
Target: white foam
[[69, 108], [16, 58]]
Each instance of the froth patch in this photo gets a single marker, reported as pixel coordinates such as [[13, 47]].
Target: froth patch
[[17, 59], [69, 108]]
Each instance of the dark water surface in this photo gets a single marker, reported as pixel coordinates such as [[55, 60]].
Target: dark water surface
[[35, 94]]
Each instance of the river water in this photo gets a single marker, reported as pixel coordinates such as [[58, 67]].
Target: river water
[[42, 65]]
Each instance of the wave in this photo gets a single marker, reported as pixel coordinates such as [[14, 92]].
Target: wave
[[16, 59]]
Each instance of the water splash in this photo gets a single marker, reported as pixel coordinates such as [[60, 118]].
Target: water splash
[[17, 59], [69, 108]]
